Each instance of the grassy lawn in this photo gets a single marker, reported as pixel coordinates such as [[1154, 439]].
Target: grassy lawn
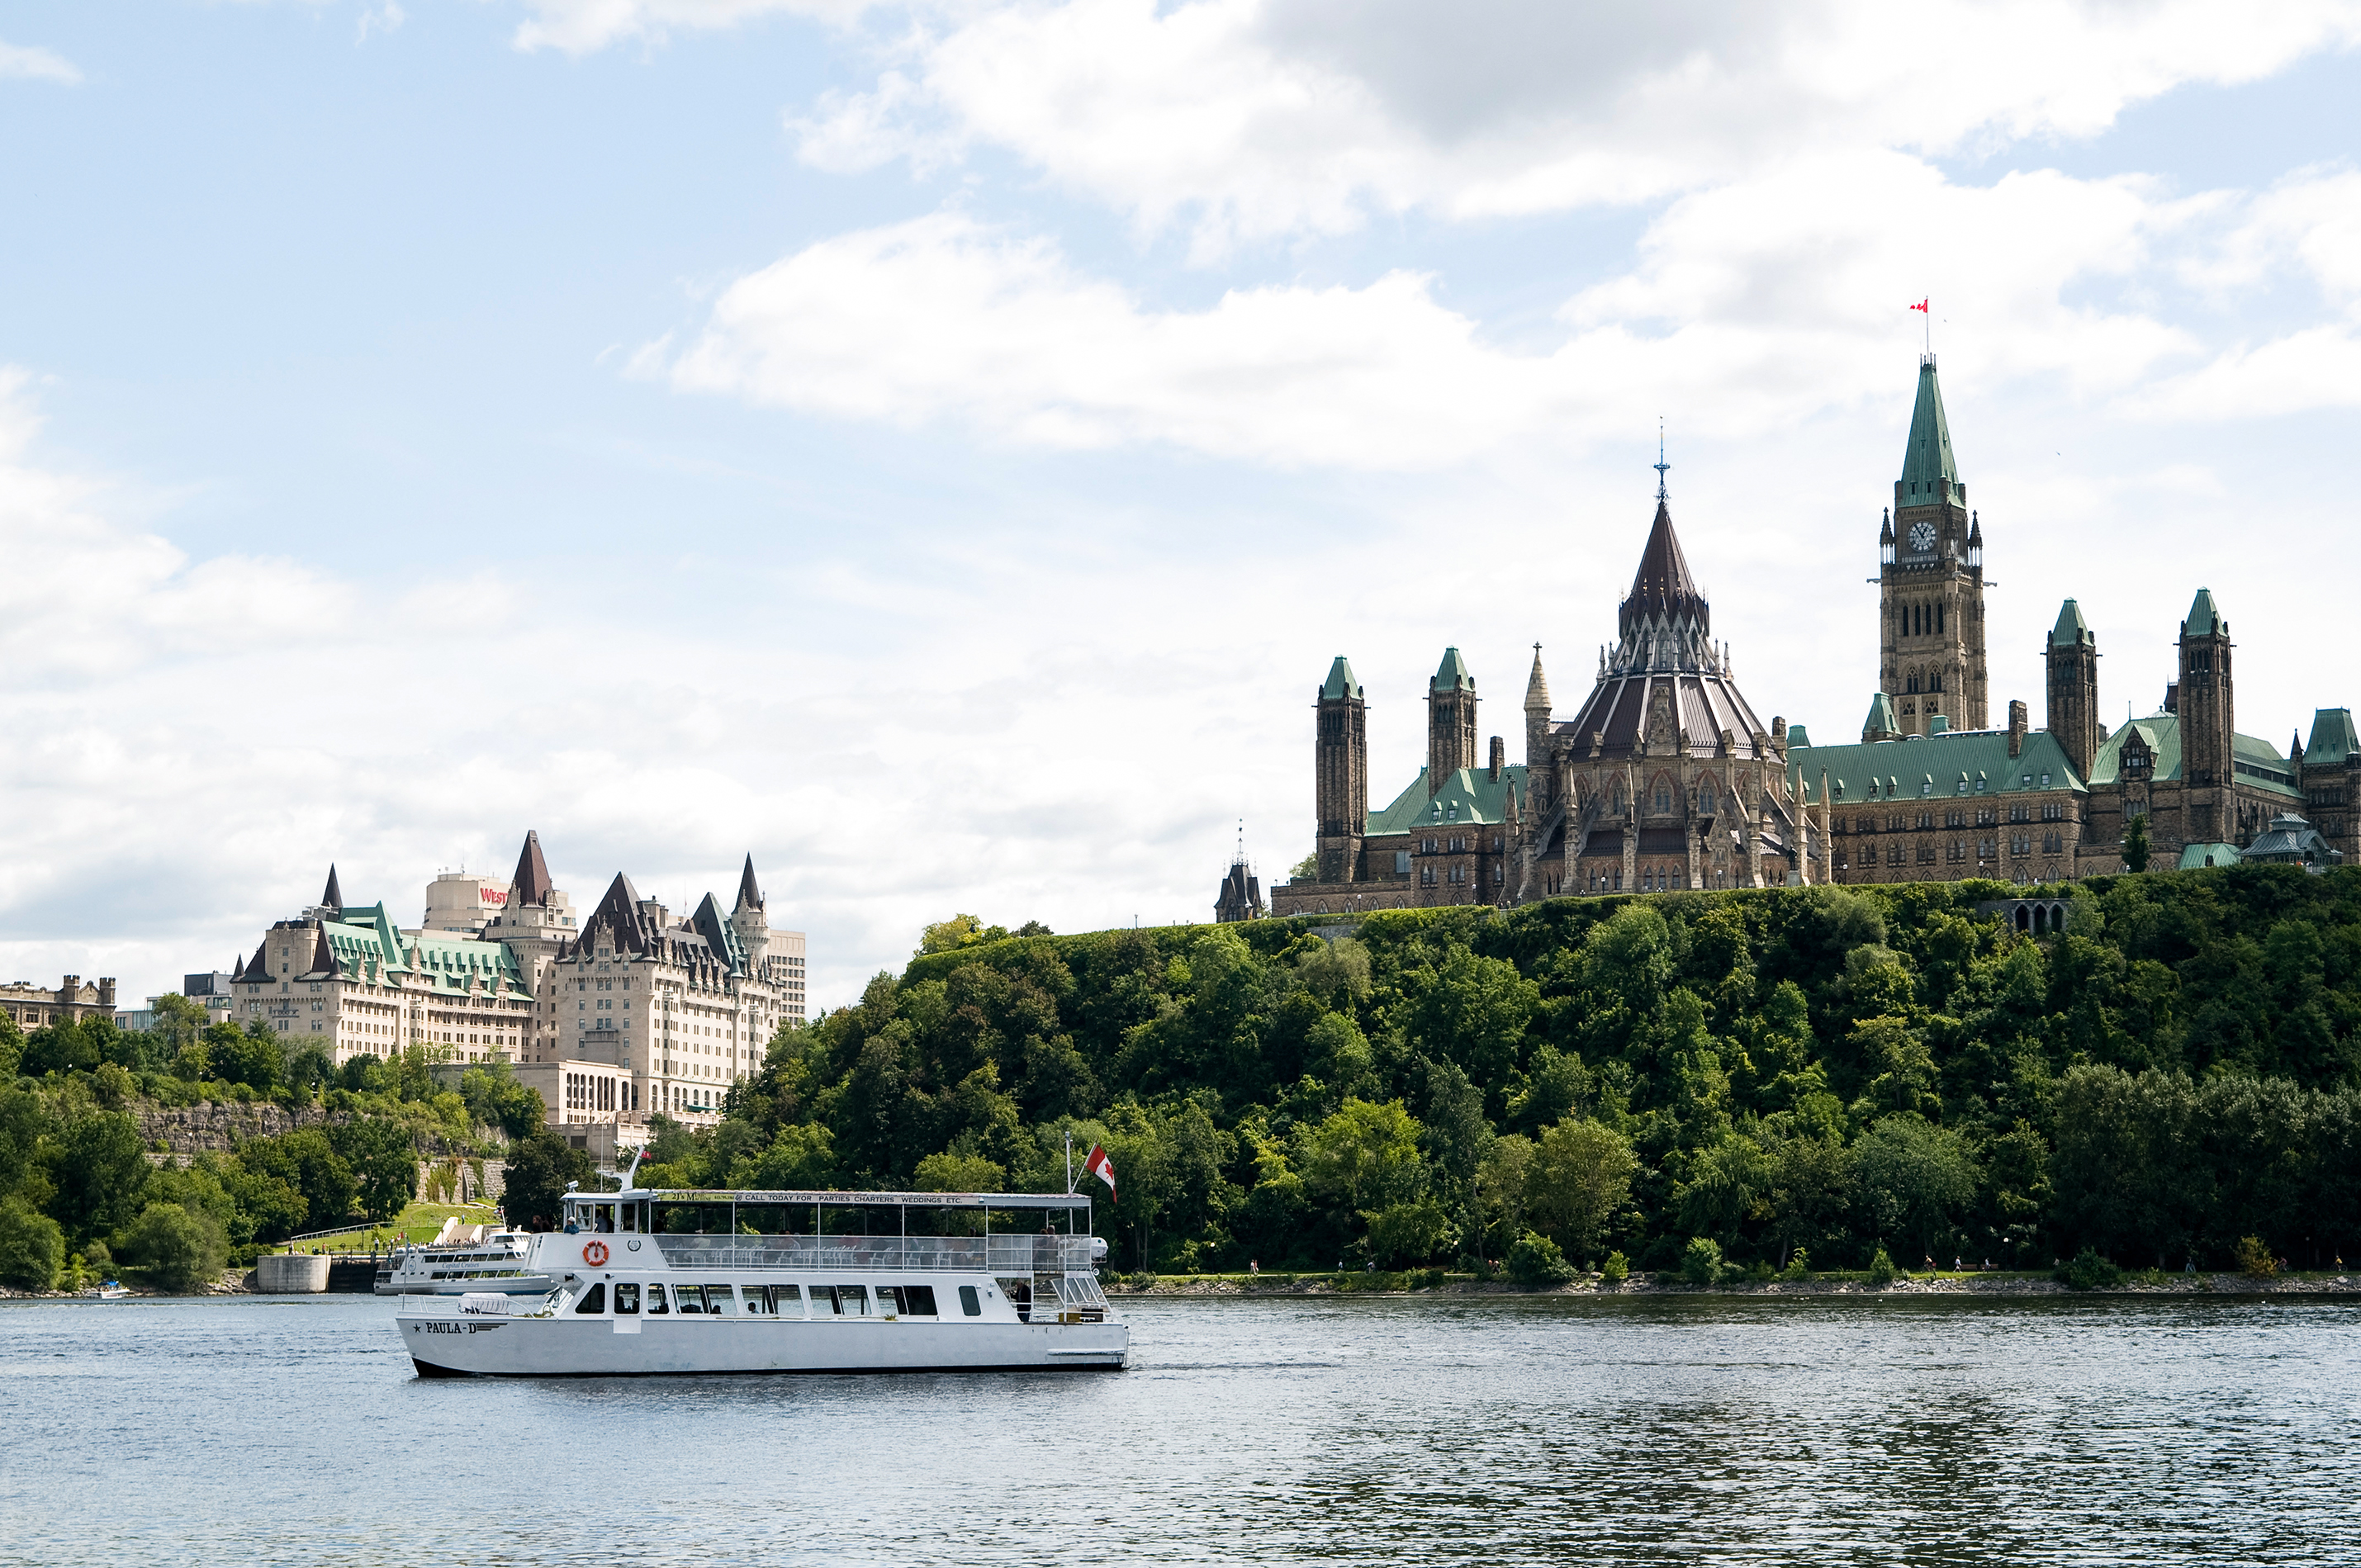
[[418, 1223]]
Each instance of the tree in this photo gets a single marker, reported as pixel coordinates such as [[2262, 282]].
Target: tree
[[99, 1168], [384, 1160], [1305, 870], [957, 1173], [309, 1164], [541, 1164], [1581, 1175], [2135, 844], [180, 1249], [1366, 1157], [1916, 1177], [495, 1099], [32, 1247]]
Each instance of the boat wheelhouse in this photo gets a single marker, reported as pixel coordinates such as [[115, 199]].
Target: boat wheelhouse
[[668, 1281]]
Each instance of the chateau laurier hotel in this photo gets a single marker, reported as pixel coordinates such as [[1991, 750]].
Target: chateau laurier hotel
[[1665, 777], [633, 1012]]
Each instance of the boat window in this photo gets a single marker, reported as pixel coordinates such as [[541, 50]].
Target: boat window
[[919, 1301], [720, 1301], [627, 1300], [656, 1299], [787, 1300], [631, 1217], [844, 1300], [594, 1302], [766, 1219], [889, 1300], [603, 1218], [758, 1301], [968, 1303]]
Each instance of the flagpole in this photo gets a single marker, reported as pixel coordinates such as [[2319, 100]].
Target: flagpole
[[1070, 1162]]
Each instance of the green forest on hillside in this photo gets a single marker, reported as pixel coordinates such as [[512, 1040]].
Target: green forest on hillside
[[82, 1199], [1796, 1074]]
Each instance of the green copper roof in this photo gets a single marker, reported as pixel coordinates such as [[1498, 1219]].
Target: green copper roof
[[2204, 619], [1963, 762], [1880, 720], [2257, 761], [1470, 794], [1452, 675], [1797, 737], [2332, 738], [1340, 681], [2072, 631], [2160, 732], [1929, 472], [2196, 857]]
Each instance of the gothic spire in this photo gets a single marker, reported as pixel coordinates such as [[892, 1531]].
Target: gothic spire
[[1661, 588], [1537, 697], [333, 898], [1930, 474], [531, 877], [749, 894]]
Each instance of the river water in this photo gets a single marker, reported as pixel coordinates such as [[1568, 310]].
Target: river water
[[1727, 1429]]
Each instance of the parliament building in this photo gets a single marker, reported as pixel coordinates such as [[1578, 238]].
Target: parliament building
[[1666, 778]]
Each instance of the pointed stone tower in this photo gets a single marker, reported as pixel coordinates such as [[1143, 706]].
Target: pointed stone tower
[[2073, 660], [1450, 721], [1931, 581], [1537, 719], [1339, 772], [2207, 719], [333, 897], [753, 928]]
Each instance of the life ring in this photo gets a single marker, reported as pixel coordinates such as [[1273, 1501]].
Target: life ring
[[594, 1253]]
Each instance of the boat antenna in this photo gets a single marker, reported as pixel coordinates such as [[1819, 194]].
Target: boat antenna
[[632, 1169]]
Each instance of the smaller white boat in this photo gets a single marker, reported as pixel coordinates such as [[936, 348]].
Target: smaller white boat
[[500, 1264], [108, 1290]]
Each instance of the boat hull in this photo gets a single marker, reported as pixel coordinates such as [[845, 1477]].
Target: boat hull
[[561, 1346]]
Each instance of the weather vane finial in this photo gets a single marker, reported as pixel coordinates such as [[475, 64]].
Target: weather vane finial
[[1660, 465]]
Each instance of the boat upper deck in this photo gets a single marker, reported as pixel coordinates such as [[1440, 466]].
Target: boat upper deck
[[980, 1232]]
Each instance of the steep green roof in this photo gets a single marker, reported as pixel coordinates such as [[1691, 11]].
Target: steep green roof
[[2160, 731], [2196, 857], [1880, 720], [1929, 472], [2203, 617], [2072, 631], [1470, 794], [2332, 738], [1340, 681], [1452, 674], [1963, 763]]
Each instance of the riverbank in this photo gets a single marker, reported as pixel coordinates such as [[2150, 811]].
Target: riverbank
[[1979, 1283]]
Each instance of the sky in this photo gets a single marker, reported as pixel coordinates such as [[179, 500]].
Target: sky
[[936, 448]]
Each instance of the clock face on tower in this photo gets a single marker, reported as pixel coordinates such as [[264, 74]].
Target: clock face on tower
[[1922, 537]]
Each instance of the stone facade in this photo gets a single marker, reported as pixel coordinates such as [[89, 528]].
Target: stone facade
[[1930, 794], [653, 1015], [29, 1006], [1666, 778]]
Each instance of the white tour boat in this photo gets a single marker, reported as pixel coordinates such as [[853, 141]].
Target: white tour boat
[[668, 1282], [501, 1263]]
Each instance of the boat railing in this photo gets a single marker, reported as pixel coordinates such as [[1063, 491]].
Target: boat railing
[[972, 1254]]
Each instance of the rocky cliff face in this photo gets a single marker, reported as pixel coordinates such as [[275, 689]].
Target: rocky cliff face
[[219, 1125]]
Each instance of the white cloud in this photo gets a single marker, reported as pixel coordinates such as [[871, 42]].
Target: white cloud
[[584, 27], [1751, 308], [34, 64], [1255, 119]]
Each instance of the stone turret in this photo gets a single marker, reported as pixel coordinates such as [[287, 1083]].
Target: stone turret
[[1450, 721], [1340, 773], [2072, 655], [748, 920]]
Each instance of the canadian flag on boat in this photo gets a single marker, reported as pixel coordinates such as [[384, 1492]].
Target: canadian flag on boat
[[1098, 1165]]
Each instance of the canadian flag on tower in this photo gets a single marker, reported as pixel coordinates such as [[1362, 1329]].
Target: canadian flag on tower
[[1098, 1165]]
